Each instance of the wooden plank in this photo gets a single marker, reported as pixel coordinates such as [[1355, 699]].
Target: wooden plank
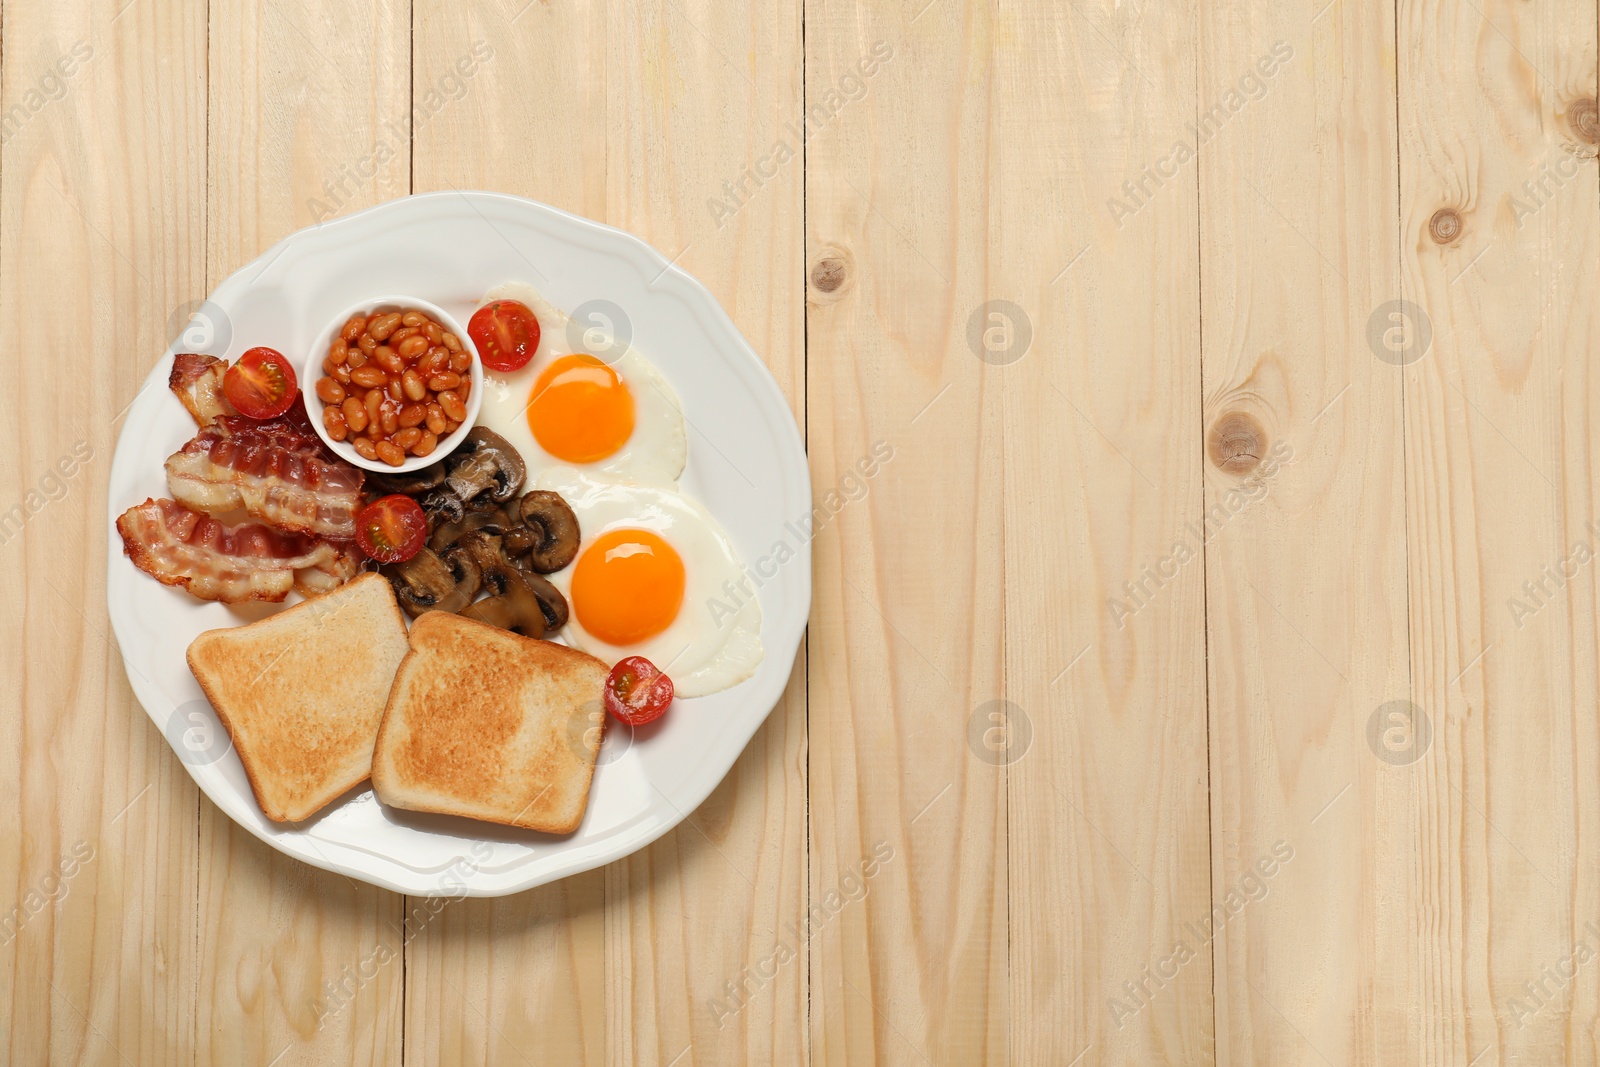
[[1501, 444], [300, 95], [1092, 231], [1305, 564], [908, 871], [101, 216], [651, 113]]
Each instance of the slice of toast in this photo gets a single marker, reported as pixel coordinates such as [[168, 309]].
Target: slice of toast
[[302, 692], [489, 725]]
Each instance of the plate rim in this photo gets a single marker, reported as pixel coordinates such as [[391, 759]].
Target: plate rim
[[782, 636]]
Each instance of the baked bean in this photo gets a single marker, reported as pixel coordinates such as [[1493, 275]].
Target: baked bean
[[370, 377], [394, 383], [437, 361], [355, 414], [388, 359], [453, 406], [330, 391], [382, 326]]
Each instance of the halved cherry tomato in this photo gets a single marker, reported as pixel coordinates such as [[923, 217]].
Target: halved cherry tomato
[[261, 385], [506, 333], [391, 529], [636, 692]]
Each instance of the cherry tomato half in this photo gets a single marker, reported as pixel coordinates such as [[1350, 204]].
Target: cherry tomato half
[[636, 692], [261, 385], [391, 529], [506, 333]]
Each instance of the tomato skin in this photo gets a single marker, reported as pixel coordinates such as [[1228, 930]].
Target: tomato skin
[[506, 334], [637, 692], [391, 529], [261, 384]]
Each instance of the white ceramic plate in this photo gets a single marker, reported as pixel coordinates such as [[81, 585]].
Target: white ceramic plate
[[746, 464]]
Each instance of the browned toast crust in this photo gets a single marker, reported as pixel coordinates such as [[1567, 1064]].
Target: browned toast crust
[[489, 725]]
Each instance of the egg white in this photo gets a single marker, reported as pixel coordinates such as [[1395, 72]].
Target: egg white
[[715, 641], [654, 453]]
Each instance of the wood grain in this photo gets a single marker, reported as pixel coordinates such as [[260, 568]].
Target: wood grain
[[101, 206], [297, 965], [908, 870], [1107, 824], [1500, 456], [1305, 562]]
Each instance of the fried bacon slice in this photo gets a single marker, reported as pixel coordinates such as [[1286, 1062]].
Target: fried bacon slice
[[196, 380], [327, 576], [232, 564], [273, 473]]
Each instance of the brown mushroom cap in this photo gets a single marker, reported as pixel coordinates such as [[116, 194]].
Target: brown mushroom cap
[[411, 484], [517, 608], [427, 582], [547, 533], [485, 464], [447, 533]]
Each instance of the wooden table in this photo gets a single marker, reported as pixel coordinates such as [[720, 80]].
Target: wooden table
[[1205, 672]]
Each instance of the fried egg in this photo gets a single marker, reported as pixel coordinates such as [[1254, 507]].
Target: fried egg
[[657, 577], [606, 412]]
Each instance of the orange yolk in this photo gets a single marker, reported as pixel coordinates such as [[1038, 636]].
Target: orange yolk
[[627, 586], [580, 410]]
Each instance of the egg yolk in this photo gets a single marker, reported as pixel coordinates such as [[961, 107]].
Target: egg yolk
[[627, 586], [580, 410]]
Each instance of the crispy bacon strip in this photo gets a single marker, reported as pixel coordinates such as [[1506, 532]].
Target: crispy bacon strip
[[271, 474], [232, 564], [196, 380], [325, 577]]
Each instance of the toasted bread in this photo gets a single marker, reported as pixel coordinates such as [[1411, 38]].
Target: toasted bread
[[492, 726], [302, 692]]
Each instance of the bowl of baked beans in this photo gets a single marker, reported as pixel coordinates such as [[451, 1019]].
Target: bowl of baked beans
[[393, 384]]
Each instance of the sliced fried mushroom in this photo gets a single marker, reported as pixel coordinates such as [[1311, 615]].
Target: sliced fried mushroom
[[551, 602], [485, 464], [427, 582], [412, 484], [441, 506], [518, 608], [547, 533], [449, 532]]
